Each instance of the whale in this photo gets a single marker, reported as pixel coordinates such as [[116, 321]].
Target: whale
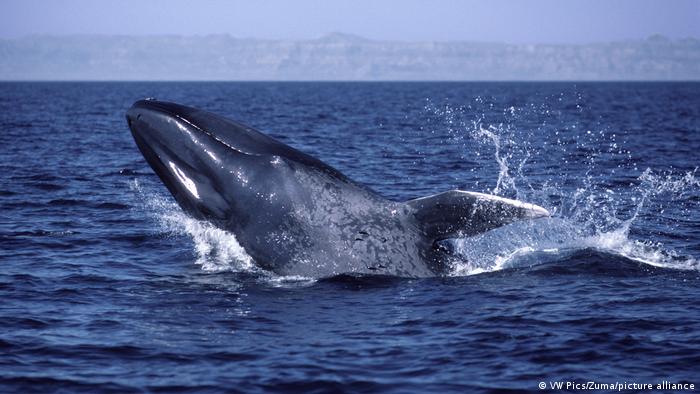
[[295, 215]]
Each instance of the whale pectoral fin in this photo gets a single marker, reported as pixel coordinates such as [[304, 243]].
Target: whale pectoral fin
[[458, 213]]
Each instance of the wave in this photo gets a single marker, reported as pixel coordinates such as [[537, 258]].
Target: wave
[[594, 213], [216, 250], [556, 240]]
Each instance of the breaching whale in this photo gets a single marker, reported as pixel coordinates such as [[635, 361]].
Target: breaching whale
[[294, 214]]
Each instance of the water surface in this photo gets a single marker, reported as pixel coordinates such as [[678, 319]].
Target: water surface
[[106, 286]]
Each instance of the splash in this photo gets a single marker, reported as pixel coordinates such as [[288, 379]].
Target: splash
[[463, 130], [590, 212], [216, 250], [555, 239]]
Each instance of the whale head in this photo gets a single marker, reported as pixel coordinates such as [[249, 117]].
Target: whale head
[[216, 168]]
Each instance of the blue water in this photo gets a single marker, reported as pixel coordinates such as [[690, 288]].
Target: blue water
[[106, 286]]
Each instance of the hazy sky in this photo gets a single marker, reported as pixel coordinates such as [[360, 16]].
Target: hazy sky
[[515, 21]]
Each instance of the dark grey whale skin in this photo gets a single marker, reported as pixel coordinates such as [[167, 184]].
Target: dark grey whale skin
[[295, 215]]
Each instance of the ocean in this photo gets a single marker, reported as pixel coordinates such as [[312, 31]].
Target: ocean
[[106, 286]]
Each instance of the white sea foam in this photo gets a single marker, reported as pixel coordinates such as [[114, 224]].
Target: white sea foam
[[215, 249], [590, 217], [548, 240]]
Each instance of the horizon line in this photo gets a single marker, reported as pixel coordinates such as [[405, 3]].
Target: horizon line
[[350, 81], [346, 36]]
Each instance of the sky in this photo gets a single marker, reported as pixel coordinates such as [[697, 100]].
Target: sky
[[511, 21]]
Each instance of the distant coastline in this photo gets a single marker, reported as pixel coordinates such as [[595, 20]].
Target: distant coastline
[[340, 57]]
